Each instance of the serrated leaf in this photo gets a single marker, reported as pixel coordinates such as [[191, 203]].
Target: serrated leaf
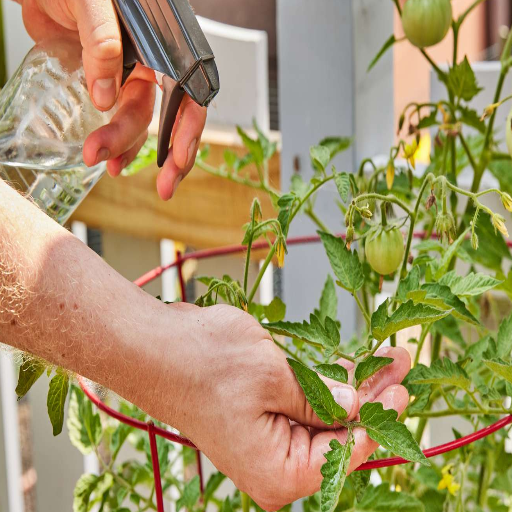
[[57, 393], [385, 47], [462, 81], [428, 121], [317, 394], [382, 499], [407, 315], [471, 285], [30, 371], [226, 506], [447, 257], [409, 284], [327, 336], [448, 327], [472, 118], [382, 426], [285, 204], [320, 157], [336, 145], [254, 146], [328, 301], [343, 185], [441, 297], [370, 366], [504, 339], [86, 486], [345, 263], [190, 496], [500, 368], [360, 481], [334, 472], [84, 427], [275, 311], [444, 373], [333, 371], [213, 484]]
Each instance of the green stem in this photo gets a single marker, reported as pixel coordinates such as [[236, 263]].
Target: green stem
[[381, 197], [363, 310], [436, 347], [284, 348], [456, 412], [313, 216], [463, 16], [246, 502], [248, 260], [424, 333], [469, 154], [439, 71], [266, 263]]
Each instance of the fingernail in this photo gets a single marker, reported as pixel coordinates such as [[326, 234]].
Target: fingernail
[[344, 396], [192, 151], [104, 92], [103, 155], [176, 184]]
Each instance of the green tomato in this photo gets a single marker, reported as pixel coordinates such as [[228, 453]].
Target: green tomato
[[509, 132], [426, 22], [385, 251]]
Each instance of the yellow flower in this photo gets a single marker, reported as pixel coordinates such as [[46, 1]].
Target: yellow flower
[[398, 488], [447, 481], [409, 151], [507, 201], [499, 223], [489, 110], [390, 175], [280, 254]]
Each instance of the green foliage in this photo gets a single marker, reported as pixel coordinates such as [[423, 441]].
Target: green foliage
[[30, 371], [57, 394], [333, 371], [190, 495], [369, 367], [382, 499]]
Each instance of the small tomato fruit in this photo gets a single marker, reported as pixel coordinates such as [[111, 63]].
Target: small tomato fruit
[[385, 250], [426, 22]]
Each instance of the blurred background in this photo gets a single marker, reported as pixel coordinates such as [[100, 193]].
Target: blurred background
[[300, 69]]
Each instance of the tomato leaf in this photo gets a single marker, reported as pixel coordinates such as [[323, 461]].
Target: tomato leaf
[[441, 267], [462, 81], [345, 263], [360, 481], [253, 146], [320, 157], [275, 311], [407, 315], [500, 368], [333, 371], [336, 145], [382, 426], [370, 366], [409, 284], [343, 185], [213, 484], [317, 394], [471, 285], [504, 339], [86, 486], [334, 472], [328, 301], [59, 387], [190, 496], [443, 372], [382, 499], [327, 335], [84, 427], [30, 371], [385, 47]]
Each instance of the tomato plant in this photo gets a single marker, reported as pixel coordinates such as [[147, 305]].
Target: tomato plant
[[454, 285]]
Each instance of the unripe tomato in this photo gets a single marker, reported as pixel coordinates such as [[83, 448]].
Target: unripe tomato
[[385, 250], [509, 132], [426, 22]]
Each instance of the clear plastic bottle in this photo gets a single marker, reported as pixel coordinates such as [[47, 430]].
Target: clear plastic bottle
[[45, 116]]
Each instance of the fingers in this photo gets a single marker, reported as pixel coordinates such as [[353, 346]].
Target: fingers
[[187, 133], [303, 471], [102, 49], [126, 128], [115, 166]]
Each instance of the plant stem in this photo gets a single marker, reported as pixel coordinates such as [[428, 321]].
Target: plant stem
[[436, 347], [363, 310], [264, 267], [313, 216], [463, 16], [246, 502], [284, 348], [457, 412], [248, 260], [424, 333], [381, 197], [467, 149]]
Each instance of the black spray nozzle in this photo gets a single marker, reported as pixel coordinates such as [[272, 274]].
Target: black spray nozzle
[[164, 35]]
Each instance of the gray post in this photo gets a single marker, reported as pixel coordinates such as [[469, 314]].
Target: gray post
[[324, 49]]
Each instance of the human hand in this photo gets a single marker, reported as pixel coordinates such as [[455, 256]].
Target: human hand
[[233, 394], [94, 23]]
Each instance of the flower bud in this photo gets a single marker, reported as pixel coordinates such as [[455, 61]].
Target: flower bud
[[489, 110], [409, 151], [499, 224], [280, 252], [365, 212], [350, 236], [390, 174], [507, 201], [445, 226], [474, 241], [431, 201]]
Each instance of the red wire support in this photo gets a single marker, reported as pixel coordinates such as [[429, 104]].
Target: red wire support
[[154, 431]]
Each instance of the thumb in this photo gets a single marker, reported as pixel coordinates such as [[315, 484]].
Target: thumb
[[293, 402], [100, 36]]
